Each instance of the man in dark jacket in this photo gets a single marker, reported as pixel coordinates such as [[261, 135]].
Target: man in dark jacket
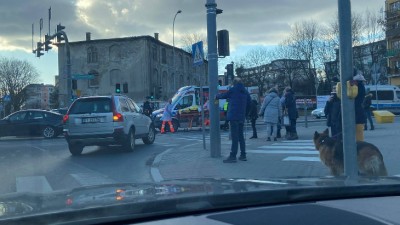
[[367, 108], [239, 105], [334, 115], [358, 108], [147, 109], [253, 115], [291, 110]]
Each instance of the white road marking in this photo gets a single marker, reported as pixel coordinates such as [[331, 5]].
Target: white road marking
[[287, 147], [298, 158], [35, 184], [300, 152]]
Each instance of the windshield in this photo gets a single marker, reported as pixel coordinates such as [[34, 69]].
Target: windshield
[[85, 87]]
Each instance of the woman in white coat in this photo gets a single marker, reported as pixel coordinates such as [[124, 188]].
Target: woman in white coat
[[271, 110]]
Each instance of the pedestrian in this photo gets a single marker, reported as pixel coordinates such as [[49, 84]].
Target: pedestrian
[[253, 115], [334, 115], [272, 110], [282, 100], [167, 117], [358, 108], [291, 109], [239, 105], [147, 109], [368, 110]]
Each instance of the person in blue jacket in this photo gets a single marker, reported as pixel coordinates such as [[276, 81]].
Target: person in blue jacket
[[239, 105]]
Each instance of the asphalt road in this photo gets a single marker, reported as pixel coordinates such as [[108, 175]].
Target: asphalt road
[[42, 165]]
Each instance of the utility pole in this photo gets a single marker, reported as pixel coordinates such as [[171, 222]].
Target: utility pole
[[215, 138], [346, 74]]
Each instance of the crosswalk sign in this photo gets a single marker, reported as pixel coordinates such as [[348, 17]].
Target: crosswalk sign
[[198, 53]]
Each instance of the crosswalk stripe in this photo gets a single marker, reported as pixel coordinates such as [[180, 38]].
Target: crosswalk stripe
[[299, 158], [293, 144], [284, 152], [287, 147], [299, 141]]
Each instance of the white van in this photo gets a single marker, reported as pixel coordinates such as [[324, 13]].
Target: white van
[[388, 97]]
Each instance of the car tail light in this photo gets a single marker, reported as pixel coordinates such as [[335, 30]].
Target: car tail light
[[117, 117], [65, 118], [69, 201]]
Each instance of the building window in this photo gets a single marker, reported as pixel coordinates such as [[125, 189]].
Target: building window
[[115, 76], [164, 56], [115, 53], [95, 82], [92, 55], [155, 54]]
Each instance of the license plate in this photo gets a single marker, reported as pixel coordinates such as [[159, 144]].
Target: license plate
[[91, 120]]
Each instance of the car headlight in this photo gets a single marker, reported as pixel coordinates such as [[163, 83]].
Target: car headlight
[[159, 115]]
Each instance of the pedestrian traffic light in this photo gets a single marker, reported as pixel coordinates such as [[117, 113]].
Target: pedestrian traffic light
[[229, 72], [47, 43], [220, 82], [59, 35], [39, 49], [125, 87], [118, 88]]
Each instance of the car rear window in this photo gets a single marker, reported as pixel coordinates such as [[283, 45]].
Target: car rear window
[[91, 105]]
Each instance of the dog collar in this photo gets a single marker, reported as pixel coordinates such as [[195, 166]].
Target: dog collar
[[323, 140]]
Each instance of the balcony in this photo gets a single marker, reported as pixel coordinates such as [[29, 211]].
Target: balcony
[[393, 52]]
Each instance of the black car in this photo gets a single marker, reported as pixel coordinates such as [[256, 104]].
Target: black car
[[33, 122]]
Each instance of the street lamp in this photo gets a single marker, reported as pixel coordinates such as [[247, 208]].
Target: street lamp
[[173, 44]]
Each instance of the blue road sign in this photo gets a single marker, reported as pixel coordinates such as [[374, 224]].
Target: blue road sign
[[198, 53], [82, 76]]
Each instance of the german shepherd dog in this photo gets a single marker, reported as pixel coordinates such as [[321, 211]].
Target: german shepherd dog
[[370, 160]]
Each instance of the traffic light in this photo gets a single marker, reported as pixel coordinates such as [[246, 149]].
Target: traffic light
[[39, 49], [118, 88], [159, 91], [47, 43], [59, 36], [220, 82], [223, 43], [74, 84], [229, 72], [125, 87]]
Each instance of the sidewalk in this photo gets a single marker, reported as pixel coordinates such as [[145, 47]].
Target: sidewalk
[[192, 161]]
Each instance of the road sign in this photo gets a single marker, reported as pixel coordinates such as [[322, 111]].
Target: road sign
[[82, 76], [7, 98], [198, 53]]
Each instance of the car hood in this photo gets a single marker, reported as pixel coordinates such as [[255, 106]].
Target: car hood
[[192, 194]]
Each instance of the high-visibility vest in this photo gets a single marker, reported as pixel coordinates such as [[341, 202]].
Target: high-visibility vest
[[226, 106]]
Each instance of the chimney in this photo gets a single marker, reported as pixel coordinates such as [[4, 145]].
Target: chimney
[[156, 36], [87, 36]]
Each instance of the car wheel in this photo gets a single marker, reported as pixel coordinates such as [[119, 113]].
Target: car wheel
[[49, 132], [75, 149], [151, 136], [129, 144]]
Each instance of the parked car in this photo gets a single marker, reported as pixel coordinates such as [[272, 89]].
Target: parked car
[[33, 122], [106, 120], [318, 113]]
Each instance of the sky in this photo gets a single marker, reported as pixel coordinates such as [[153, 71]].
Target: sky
[[250, 23]]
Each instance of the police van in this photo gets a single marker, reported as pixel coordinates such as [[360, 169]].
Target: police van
[[388, 97]]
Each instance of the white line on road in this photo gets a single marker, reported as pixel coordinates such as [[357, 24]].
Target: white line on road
[[298, 158], [299, 141], [294, 144], [287, 147], [284, 152], [35, 184]]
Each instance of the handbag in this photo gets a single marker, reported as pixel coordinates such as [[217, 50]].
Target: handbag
[[286, 120]]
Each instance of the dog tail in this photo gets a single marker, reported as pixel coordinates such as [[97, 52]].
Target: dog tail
[[376, 166]]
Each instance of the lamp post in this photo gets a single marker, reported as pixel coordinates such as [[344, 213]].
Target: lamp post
[[173, 48], [317, 81]]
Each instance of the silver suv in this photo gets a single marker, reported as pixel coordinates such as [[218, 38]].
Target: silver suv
[[106, 120]]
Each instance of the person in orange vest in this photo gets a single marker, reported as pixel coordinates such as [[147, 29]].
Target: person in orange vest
[[167, 117]]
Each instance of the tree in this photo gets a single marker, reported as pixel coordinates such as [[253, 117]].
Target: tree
[[15, 75], [54, 102], [189, 39], [255, 61]]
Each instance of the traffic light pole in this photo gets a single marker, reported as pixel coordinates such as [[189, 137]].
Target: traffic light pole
[[215, 138]]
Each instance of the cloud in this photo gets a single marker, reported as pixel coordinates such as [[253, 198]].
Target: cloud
[[249, 22]]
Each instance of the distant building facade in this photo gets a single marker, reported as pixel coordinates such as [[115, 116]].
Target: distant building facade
[[141, 65], [38, 96], [392, 12]]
